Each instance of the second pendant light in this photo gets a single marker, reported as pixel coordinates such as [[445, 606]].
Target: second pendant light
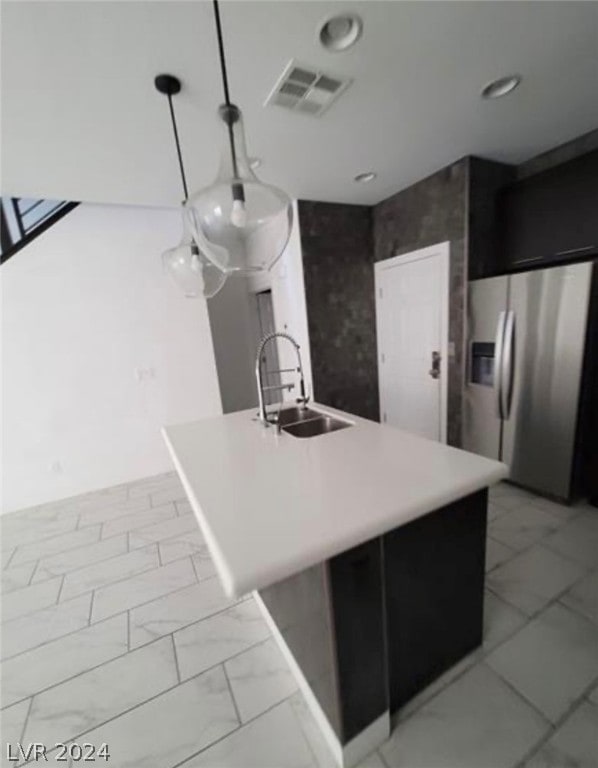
[[242, 224], [190, 269]]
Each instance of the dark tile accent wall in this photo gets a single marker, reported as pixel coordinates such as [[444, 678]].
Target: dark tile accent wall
[[336, 241], [430, 212], [426, 213]]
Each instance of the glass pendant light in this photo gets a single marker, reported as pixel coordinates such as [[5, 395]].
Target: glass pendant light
[[243, 223], [190, 270], [186, 263]]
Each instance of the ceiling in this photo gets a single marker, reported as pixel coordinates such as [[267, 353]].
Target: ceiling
[[81, 119]]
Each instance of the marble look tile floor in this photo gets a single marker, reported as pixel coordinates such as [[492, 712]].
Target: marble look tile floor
[[115, 630]]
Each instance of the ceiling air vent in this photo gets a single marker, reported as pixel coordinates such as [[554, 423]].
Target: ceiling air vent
[[306, 89]]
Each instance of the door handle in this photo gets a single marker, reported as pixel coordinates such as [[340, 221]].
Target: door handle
[[435, 369], [498, 363], [508, 367]]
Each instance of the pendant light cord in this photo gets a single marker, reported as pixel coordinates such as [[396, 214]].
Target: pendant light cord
[[178, 146], [237, 188], [221, 53]]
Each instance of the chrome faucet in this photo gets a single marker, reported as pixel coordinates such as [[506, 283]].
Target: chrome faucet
[[277, 387]]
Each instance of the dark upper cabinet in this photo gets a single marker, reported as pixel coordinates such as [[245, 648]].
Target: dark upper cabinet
[[486, 179], [550, 217]]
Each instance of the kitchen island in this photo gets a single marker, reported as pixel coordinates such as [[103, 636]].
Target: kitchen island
[[364, 546]]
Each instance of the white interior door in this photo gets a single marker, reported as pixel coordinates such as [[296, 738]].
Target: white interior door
[[412, 328]]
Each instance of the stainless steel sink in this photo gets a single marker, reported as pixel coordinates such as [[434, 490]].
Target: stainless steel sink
[[294, 414], [316, 426]]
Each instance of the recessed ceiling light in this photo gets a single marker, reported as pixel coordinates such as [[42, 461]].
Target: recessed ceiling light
[[363, 178], [254, 162], [340, 32], [500, 87]]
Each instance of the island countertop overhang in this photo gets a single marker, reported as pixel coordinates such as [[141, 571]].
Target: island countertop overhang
[[270, 505]]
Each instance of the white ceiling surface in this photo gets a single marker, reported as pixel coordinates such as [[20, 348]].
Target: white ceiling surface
[[81, 119]]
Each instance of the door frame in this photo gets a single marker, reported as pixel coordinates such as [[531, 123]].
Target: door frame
[[440, 251]]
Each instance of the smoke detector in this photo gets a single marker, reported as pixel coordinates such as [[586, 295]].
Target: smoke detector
[[366, 177], [306, 89], [338, 33], [500, 87]]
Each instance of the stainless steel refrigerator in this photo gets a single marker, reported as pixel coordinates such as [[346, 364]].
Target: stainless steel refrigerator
[[526, 336]]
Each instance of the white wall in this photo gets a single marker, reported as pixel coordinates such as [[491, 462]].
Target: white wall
[[87, 311], [290, 311], [288, 299], [231, 321], [235, 325]]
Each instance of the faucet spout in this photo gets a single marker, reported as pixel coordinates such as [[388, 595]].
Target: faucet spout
[[267, 339]]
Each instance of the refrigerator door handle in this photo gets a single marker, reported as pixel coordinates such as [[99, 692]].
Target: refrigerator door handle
[[508, 364], [498, 363]]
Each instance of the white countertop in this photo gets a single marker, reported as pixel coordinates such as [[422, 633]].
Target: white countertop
[[270, 505]]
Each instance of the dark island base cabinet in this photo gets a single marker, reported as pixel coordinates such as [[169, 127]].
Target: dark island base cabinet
[[374, 625], [434, 586]]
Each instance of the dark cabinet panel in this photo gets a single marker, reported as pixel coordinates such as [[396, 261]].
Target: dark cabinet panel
[[434, 590], [551, 217], [486, 179], [331, 616], [355, 581]]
